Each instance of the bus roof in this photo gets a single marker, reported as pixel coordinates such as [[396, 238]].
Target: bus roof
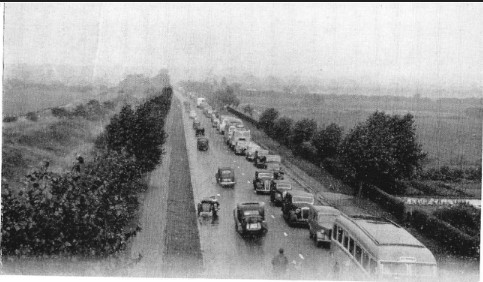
[[379, 228], [385, 239]]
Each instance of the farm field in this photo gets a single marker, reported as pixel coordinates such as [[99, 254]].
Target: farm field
[[447, 134]]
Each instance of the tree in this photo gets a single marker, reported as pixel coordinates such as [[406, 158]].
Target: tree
[[303, 131], [282, 129], [226, 97], [248, 110], [327, 141], [267, 119], [383, 149]]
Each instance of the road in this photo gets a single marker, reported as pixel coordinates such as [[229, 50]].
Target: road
[[225, 253]]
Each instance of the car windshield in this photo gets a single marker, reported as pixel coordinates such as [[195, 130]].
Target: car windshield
[[275, 159], [265, 175], [225, 172], [251, 212], [326, 219], [302, 199]]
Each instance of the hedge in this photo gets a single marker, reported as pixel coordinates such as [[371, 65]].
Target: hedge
[[390, 203], [447, 235], [243, 116]]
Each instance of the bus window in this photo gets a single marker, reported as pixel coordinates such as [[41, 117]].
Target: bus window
[[358, 253], [334, 234], [340, 234], [351, 246], [346, 241], [373, 266], [365, 261]]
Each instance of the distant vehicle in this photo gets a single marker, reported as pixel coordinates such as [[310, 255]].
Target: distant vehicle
[[229, 120], [216, 122], [202, 144], [229, 129], [239, 134], [240, 147], [321, 222], [208, 206], [278, 190], [225, 176], [377, 248], [200, 101], [273, 163], [250, 151], [196, 124], [260, 157], [199, 131], [295, 207], [250, 218], [262, 181], [193, 114]]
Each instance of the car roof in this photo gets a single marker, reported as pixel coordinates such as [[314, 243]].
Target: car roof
[[300, 193], [282, 181], [202, 138], [264, 171], [225, 168], [326, 209], [250, 206]]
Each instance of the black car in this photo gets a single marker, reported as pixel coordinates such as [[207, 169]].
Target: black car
[[278, 190], [262, 181], [296, 206], [250, 218], [225, 176], [202, 143]]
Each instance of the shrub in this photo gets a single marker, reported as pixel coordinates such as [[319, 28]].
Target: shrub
[[32, 116], [390, 203], [60, 112], [267, 120], [327, 141], [448, 236], [282, 129], [10, 119], [303, 131], [307, 151], [463, 216]]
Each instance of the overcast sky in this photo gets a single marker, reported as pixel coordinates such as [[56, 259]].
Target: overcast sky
[[430, 43]]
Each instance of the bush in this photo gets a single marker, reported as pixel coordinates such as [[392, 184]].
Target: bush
[[448, 174], [464, 217], [10, 119], [267, 120], [282, 129], [60, 112], [307, 151], [390, 203], [446, 235], [303, 131], [327, 141], [32, 116]]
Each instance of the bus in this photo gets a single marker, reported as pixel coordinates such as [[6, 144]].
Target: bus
[[368, 247]]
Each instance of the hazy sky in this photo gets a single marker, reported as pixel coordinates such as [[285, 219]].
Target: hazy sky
[[430, 43]]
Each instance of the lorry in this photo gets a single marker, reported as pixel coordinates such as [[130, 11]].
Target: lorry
[[239, 134], [200, 101]]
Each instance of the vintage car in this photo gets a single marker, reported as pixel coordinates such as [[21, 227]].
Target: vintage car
[[250, 151], [262, 181], [202, 143], [200, 131], [225, 176], [229, 129], [273, 163], [259, 157], [250, 218], [238, 134], [240, 147], [278, 190], [196, 124], [208, 206], [321, 222], [192, 114], [295, 207]]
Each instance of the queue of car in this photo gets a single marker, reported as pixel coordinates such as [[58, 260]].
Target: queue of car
[[357, 240]]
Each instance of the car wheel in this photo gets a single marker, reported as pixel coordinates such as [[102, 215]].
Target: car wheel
[[311, 236]]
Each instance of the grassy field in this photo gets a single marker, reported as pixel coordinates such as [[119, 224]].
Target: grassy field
[[447, 134]]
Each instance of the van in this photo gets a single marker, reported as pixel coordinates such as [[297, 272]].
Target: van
[[321, 222]]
